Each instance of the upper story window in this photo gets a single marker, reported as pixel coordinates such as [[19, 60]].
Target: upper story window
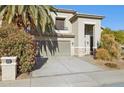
[[60, 23], [89, 29]]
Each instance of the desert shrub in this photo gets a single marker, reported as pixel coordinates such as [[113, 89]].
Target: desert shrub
[[107, 31], [108, 42], [122, 51], [103, 54], [119, 36], [16, 42]]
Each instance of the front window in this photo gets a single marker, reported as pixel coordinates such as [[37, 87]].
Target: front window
[[89, 29], [60, 23]]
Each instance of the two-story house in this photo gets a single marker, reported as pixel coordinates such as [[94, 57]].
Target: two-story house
[[76, 34]]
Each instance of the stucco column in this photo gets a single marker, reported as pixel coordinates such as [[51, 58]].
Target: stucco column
[[81, 39], [94, 37], [8, 66], [97, 35]]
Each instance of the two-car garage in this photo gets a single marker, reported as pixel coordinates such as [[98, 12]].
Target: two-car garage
[[64, 48], [55, 47]]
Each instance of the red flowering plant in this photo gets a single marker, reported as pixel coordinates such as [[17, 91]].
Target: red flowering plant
[[16, 42]]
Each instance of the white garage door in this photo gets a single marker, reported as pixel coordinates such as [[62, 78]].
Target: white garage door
[[55, 48]]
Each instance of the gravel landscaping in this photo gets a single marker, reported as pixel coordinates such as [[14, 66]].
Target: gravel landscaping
[[110, 64], [119, 64]]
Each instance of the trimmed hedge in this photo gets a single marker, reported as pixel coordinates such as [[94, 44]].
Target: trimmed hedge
[[16, 42]]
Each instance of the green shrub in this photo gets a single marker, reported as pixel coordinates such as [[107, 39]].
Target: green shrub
[[16, 42], [103, 54]]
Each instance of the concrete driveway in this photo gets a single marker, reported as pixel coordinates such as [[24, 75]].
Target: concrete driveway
[[62, 65], [63, 71], [68, 71]]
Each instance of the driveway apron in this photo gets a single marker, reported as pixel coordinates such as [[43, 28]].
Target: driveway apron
[[62, 65]]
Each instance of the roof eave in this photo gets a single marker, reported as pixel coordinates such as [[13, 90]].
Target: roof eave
[[66, 11], [86, 16], [90, 16]]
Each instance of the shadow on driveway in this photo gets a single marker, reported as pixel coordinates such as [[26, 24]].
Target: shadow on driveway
[[40, 61]]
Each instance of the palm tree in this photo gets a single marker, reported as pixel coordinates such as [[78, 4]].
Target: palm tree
[[37, 17]]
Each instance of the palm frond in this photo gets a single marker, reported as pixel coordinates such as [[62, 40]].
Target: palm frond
[[37, 15]]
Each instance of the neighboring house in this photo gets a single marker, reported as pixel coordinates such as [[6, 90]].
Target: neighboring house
[[76, 34]]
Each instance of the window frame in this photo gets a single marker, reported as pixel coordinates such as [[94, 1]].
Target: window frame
[[64, 19]]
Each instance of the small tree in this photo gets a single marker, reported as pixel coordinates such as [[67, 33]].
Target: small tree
[[16, 42]]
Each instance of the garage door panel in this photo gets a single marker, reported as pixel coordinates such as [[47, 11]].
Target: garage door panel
[[55, 48], [64, 48]]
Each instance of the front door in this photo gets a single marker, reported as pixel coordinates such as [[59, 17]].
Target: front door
[[89, 38], [91, 45]]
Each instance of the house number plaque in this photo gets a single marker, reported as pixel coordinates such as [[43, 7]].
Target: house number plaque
[[8, 61]]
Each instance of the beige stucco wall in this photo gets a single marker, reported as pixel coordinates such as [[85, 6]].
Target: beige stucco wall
[[75, 31], [97, 28], [78, 29], [68, 24]]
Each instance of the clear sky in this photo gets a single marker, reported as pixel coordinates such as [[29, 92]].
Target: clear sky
[[114, 14]]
